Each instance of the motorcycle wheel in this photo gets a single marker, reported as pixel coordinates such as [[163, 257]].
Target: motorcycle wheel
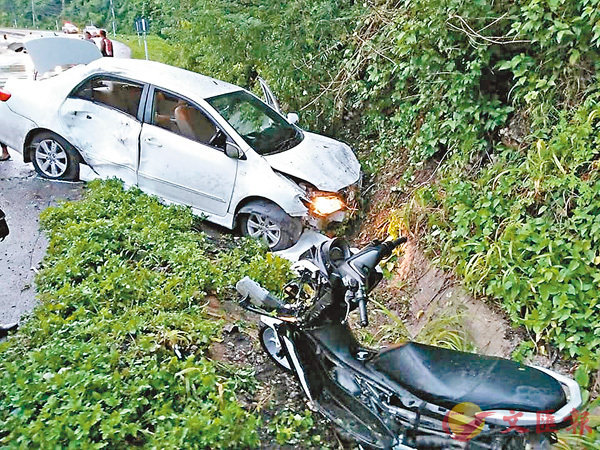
[[270, 344]]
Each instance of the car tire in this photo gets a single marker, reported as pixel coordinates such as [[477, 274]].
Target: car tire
[[270, 345], [54, 158], [267, 221]]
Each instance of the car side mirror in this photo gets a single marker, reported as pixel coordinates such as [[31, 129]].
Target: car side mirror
[[293, 118], [233, 151]]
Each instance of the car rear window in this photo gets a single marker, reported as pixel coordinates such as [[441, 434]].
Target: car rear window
[[122, 95]]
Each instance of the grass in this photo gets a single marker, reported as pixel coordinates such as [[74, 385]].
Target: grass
[[158, 49]]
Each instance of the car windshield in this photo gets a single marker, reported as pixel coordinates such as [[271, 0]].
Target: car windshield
[[260, 126]]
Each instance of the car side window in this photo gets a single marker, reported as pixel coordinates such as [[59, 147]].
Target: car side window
[[118, 94], [179, 116]]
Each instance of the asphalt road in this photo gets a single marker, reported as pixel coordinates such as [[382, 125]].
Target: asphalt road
[[120, 49], [23, 195]]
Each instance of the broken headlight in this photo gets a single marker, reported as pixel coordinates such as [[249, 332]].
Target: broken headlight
[[326, 204]]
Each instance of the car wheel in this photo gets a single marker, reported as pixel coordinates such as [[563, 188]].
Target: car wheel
[[268, 222], [54, 158], [270, 344]]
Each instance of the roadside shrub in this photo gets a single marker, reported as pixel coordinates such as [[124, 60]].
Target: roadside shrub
[[115, 353], [526, 231]]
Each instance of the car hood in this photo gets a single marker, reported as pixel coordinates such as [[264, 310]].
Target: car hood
[[50, 52], [327, 164]]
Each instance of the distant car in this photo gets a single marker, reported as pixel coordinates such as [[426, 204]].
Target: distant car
[[182, 136], [69, 28], [93, 30]]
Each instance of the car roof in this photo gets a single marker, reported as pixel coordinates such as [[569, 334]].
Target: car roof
[[172, 78]]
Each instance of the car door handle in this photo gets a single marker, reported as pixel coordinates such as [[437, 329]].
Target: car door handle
[[152, 141]]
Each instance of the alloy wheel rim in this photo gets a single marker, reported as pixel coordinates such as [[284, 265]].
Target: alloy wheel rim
[[51, 158], [262, 227], [273, 347]]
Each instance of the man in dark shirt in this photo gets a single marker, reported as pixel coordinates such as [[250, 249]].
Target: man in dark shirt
[[106, 46]]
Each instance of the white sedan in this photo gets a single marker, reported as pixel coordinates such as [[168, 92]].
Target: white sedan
[[93, 30], [70, 28], [182, 136]]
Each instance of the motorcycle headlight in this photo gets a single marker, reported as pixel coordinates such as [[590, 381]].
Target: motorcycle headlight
[[325, 205]]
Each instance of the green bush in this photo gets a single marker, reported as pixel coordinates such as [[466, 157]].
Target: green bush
[[115, 353], [526, 231]]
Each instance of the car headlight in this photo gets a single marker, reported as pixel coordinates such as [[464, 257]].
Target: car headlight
[[325, 205]]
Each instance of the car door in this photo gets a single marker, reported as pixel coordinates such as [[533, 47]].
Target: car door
[[102, 116], [272, 101], [182, 157], [270, 98]]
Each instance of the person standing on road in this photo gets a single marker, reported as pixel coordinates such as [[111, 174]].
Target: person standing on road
[[3, 226], [106, 46], [87, 36], [5, 155]]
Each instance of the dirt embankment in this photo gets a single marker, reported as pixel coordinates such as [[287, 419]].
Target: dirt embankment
[[435, 292], [428, 292]]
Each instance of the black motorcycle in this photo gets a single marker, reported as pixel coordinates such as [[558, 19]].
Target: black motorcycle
[[411, 396]]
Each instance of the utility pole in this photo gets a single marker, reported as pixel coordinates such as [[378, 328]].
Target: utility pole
[[112, 8], [33, 13], [144, 28]]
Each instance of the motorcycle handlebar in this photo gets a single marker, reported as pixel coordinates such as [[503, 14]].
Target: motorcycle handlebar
[[364, 262], [362, 309], [258, 295], [389, 246]]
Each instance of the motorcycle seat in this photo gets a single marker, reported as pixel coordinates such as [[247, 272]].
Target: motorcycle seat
[[447, 378]]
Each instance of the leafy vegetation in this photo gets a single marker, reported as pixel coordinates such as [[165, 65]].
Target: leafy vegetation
[[115, 353], [292, 428], [526, 231]]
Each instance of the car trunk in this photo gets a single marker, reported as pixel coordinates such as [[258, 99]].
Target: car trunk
[[48, 53]]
